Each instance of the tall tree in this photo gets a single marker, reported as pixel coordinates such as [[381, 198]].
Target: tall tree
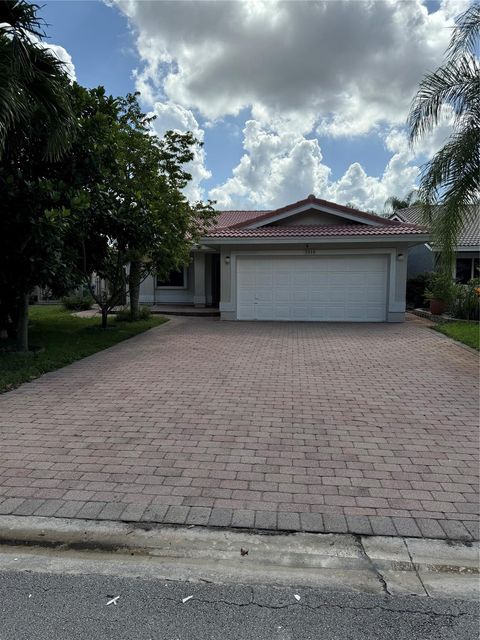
[[452, 177], [127, 211], [36, 125]]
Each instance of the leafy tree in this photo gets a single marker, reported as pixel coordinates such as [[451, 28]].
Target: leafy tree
[[127, 211], [452, 178]]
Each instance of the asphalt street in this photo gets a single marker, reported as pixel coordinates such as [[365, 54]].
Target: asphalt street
[[45, 606]]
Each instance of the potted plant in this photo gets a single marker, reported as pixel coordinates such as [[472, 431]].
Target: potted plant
[[439, 292]]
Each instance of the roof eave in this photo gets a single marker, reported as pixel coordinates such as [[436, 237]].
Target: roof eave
[[406, 237]]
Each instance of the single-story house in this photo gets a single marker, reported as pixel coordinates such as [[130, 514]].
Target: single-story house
[[312, 260], [422, 258]]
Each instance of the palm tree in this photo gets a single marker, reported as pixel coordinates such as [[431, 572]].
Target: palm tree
[[452, 177], [33, 82], [394, 203], [36, 118]]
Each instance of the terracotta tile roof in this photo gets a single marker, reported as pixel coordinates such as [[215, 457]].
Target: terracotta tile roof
[[325, 203], [311, 231], [470, 233], [231, 218]]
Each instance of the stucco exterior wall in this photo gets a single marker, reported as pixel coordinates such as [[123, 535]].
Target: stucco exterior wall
[[420, 260], [396, 280], [151, 294]]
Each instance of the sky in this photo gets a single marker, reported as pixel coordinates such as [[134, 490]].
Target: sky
[[289, 98]]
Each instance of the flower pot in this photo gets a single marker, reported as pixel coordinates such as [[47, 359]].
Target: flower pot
[[437, 307]]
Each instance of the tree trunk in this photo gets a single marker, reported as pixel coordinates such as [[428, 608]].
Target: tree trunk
[[104, 317], [134, 277], [22, 323]]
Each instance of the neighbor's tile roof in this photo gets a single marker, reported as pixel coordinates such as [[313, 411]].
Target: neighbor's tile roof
[[311, 231], [470, 233]]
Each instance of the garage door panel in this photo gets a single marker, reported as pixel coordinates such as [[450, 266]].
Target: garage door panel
[[264, 279], [283, 295], [265, 311], [264, 294], [321, 288], [281, 279]]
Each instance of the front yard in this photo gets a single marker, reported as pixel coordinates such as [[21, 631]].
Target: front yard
[[466, 332], [60, 338]]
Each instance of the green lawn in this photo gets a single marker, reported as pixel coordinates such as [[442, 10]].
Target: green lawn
[[62, 339], [466, 332]]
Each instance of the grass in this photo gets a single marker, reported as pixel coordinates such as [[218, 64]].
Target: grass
[[466, 332], [61, 339]]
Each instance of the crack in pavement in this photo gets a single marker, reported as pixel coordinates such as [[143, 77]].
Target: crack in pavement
[[371, 564], [415, 568]]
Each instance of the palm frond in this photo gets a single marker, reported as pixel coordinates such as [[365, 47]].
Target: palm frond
[[33, 82], [456, 84], [452, 180], [466, 32], [22, 17]]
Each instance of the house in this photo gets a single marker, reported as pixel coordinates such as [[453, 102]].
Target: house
[[422, 258], [312, 260]]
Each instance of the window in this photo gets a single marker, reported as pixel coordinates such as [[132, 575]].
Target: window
[[463, 270], [176, 279]]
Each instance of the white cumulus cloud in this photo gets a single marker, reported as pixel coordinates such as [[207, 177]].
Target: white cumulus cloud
[[171, 116], [303, 70]]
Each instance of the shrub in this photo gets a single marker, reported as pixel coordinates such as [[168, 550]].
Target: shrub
[[79, 301], [465, 303], [124, 315], [440, 287], [416, 290]]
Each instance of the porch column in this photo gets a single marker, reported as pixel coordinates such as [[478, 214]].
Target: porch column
[[199, 297]]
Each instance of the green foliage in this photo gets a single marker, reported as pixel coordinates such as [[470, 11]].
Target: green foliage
[[115, 198], [440, 287], [395, 203], [60, 339], [36, 127], [416, 288], [466, 332], [125, 314], [80, 301], [465, 302], [452, 177], [32, 83]]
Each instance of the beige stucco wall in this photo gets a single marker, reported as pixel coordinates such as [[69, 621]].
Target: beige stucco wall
[[396, 280]]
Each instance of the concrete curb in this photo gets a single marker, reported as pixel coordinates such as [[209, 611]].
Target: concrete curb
[[372, 564]]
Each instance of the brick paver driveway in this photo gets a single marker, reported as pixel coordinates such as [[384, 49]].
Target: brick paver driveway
[[320, 427]]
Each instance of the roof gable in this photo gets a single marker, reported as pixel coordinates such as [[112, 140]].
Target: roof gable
[[327, 213]]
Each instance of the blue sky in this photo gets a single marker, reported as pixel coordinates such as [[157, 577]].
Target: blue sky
[[290, 98]]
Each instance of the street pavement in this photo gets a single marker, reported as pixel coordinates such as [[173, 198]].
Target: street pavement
[[42, 606]]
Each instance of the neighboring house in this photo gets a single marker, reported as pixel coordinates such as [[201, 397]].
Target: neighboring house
[[421, 259], [311, 260]]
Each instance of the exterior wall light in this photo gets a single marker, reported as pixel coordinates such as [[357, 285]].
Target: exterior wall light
[[400, 256], [227, 259]]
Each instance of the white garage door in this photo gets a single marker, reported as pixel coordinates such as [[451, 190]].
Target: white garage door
[[322, 288]]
